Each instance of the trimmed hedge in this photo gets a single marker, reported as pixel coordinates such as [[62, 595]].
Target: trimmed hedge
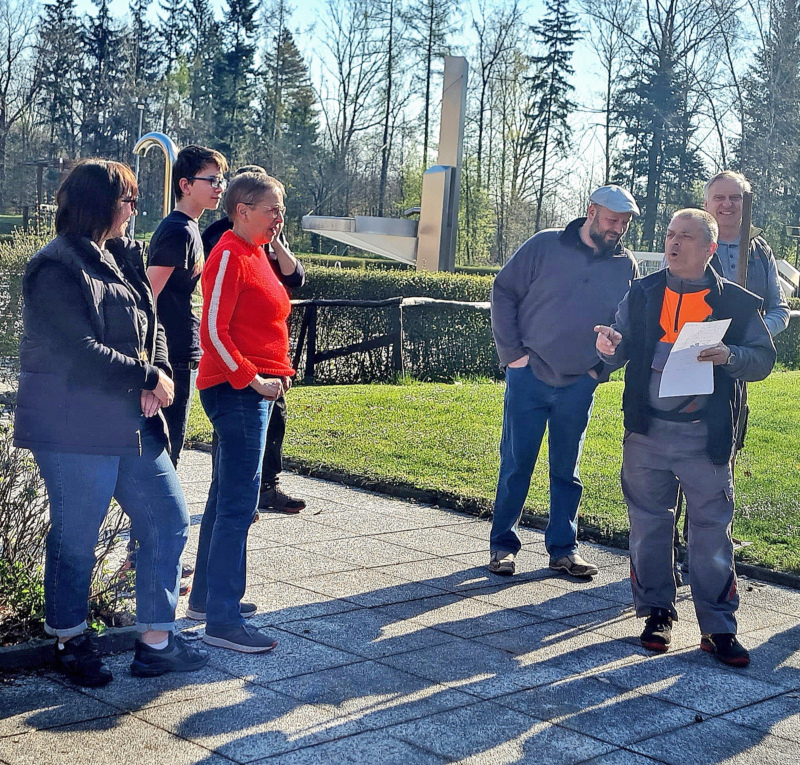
[[354, 261]]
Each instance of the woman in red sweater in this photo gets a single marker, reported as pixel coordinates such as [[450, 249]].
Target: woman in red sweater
[[244, 368]]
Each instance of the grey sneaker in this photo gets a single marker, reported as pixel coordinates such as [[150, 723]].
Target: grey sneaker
[[245, 609], [242, 638], [502, 562], [573, 565], [178, 656]]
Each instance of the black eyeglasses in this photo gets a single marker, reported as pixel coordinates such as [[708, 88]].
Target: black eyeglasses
[[276, 211], [132, 201], [215, 181]]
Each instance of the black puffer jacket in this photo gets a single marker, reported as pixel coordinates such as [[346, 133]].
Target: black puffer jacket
[[91, 343]]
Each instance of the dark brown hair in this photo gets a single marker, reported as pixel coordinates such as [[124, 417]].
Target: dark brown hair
[[88, 199], [190, 162]]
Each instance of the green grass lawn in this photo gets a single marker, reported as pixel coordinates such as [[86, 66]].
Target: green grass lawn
[[445, 438]]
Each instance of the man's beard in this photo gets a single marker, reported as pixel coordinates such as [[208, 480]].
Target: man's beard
[[601, 244]]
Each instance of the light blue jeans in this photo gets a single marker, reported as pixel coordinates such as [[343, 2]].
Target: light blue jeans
[[80, 488]]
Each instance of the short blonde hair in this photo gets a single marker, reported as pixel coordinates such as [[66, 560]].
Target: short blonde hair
[[249, 188], [706, 221], [729, 175]]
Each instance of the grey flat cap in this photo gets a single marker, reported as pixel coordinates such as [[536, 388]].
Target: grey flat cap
[[615, 198]]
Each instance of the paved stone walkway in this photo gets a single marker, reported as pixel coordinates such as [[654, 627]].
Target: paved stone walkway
[[397, 646]]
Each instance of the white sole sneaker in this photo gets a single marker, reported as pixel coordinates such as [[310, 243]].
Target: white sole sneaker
[[223, 643]]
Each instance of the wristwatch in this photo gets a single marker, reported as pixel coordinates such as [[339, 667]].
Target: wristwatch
[[731, 359]]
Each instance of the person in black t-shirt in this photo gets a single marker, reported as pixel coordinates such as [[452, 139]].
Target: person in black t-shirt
[[282, 260], [174, 267]]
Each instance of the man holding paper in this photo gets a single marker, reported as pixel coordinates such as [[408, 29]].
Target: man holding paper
[[687, 435]]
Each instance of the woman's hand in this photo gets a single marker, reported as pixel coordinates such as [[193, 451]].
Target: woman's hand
[[165, 390], [150, 403], [269, 388]]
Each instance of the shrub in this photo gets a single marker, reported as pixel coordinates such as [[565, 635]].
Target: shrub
[[787, 343]]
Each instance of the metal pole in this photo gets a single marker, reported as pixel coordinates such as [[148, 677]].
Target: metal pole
[[140, 107]]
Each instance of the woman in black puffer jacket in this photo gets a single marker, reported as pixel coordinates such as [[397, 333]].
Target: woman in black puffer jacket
[[94, 375]]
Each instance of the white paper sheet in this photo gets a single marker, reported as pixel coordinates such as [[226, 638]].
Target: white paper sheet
[[683, 374]]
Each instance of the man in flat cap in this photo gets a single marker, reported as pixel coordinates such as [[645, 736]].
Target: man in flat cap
[[546, 302]]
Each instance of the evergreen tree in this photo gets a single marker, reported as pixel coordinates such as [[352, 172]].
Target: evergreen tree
[[234, 86], [171, 37], [770, 145], [59, 54], [557, 34], [203, 44]]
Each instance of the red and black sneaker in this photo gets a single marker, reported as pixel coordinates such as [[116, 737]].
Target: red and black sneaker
[[657, 634], [726, 648]]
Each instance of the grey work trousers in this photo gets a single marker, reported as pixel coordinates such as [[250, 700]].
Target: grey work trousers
[[652, 467]]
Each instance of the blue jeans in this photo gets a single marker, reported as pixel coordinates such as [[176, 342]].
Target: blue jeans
[[529, 407], [80, 488], [240, 419]]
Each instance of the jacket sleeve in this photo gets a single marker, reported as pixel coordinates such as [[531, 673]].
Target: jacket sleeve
[[222, 284], [755, 356], [509, 288], [776, 309], [161, 357], [294, 280], [622, 323], [57, 310]]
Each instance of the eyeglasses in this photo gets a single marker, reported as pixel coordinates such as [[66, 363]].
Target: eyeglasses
[[132, 201], [215, 181], [276, 211]]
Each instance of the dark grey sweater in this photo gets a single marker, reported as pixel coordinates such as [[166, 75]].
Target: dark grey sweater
[[548, 298]]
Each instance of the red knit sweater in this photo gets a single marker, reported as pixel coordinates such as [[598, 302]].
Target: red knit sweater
[[243, 331]]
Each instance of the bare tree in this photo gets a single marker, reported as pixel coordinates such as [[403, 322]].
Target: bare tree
[[20, 78]]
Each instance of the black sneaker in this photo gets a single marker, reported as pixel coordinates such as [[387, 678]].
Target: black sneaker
[[657, 634], [726, 648], [242, 638], [80, 661], [272, 498], [178, 656], [199, 615]]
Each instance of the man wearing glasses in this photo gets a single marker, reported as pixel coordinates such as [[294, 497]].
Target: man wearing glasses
[[174, 266]]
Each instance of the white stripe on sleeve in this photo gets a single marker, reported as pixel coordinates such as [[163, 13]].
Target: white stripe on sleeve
[[213, 310]]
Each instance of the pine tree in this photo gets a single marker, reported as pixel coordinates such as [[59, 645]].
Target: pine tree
[[59, 51], [203, 45], [171, 35], [770, 147], [557, 34], [234, 86]]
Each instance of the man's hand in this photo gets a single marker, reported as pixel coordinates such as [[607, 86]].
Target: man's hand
[[607, 339], [522, 362], [718, 354], [269, 388], [150, 403]]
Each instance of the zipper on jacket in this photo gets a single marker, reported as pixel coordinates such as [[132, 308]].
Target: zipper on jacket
[[678, 308]]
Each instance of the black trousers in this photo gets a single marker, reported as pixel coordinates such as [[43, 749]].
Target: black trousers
[[273, 453], [177, 413]]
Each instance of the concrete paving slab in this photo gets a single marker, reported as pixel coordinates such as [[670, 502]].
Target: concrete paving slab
[[370, 633], [364, 749], [620, 757], [475, 668], [285, 563], [127, 692], [719, 741], [587, 705], [246, 724], [779, 716], [462, 616], [109, 741], [531, 565], [574, 650], [32, 702], [280, 602], [294, 529], [368, 588], [441, 543], [365, 552], [709, 689], [293, 656], [443, 574], [362, 522], [489, 733], [371, 695]]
